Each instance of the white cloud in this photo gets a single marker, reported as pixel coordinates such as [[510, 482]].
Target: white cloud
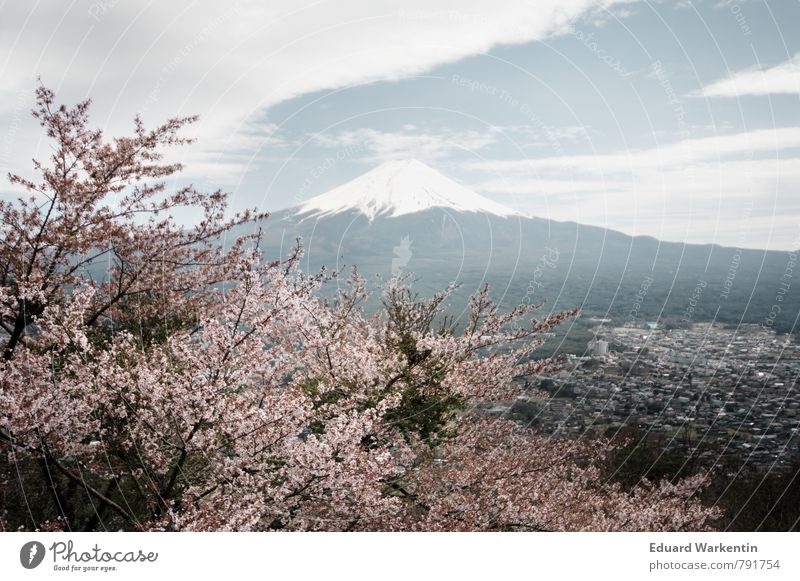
[[677, 154], [410, 142], [692, 191], [229, 61], [782, 78]]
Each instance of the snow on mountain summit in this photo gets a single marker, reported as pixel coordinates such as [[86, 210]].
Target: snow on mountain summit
[[395, 188]]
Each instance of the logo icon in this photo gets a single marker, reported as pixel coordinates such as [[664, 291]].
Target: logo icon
[[402, 254], [31, 554]]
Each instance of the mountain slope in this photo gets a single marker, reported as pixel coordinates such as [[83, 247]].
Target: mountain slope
[[441, 238]]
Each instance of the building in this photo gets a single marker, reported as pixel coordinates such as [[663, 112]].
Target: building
[[598, 347]]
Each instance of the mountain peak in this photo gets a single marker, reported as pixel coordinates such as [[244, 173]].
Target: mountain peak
[[400, 187]]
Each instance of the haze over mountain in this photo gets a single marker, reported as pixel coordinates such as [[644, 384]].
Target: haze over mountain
[[404, 216]]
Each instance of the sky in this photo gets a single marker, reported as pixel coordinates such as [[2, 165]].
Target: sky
[[675, 119]]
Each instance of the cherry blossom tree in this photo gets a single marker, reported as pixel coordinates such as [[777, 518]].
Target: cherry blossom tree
[[99, 214], [183, 386]]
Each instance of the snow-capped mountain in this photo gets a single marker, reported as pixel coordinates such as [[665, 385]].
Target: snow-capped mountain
[[404, 217], [397, 188]]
